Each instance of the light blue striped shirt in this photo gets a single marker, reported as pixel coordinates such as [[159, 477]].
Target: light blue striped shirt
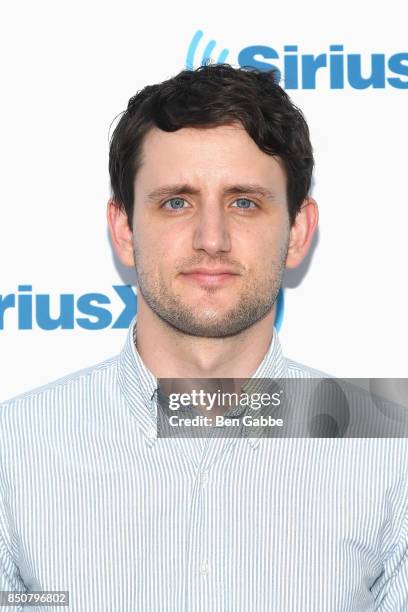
[[94, 503]]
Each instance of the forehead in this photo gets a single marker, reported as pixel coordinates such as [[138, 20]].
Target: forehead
[[208, 155]]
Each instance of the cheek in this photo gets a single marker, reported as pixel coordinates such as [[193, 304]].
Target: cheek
[[148, 243], [265, 241], [269, 253], [155, 255]]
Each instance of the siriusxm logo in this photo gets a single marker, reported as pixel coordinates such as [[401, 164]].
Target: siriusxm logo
[[91, 311], [335, 68]]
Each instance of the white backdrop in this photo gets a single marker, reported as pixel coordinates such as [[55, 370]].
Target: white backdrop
[[69, 69]]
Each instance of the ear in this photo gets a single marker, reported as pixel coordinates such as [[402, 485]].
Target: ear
[[301, 232], [121, 234]]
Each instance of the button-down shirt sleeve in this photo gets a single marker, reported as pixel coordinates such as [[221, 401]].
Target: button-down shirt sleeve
[[10, 579], [391, 588]]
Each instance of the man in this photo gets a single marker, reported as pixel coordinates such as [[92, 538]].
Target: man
[[210, 175]]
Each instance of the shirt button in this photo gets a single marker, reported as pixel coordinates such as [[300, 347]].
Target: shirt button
[[151, 433], [204, 568], [204, 477]]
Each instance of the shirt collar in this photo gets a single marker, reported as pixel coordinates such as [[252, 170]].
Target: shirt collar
[[139, 385], [273, 365]]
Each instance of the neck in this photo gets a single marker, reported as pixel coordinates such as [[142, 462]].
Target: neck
[[169, 353]]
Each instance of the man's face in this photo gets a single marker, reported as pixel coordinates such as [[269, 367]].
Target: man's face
[[225, 210]]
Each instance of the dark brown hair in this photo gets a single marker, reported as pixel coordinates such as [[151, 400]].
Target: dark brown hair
[[213, 95]]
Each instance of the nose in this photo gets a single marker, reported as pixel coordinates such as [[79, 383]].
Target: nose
[[211, 233]]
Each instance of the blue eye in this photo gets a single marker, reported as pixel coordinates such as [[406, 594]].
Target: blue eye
[[178, 201], [246, 201]]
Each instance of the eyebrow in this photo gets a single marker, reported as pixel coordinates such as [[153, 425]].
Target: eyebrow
[[168, 190]]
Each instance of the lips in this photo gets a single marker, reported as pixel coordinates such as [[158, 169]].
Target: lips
[[210, 271], [210, 276]]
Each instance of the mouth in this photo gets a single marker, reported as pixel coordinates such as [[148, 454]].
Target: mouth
[[209, 277]]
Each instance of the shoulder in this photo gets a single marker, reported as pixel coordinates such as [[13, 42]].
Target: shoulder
[[63, 391], [299, 370]]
